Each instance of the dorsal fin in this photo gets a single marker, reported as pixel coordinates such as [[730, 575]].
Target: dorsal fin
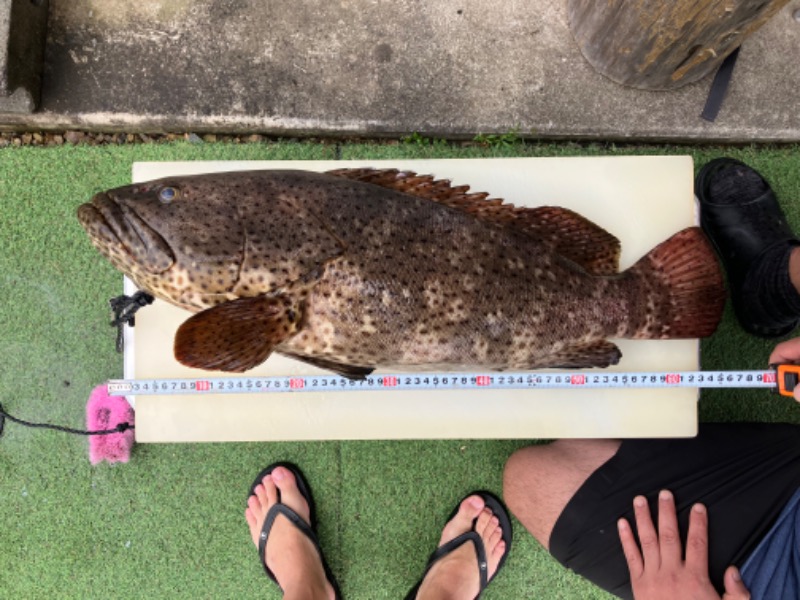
[[575, 237], [569, 234]]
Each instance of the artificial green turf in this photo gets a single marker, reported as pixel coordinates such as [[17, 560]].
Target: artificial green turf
[[169, 524]]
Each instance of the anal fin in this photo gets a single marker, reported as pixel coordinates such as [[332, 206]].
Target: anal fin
[[236, 336], [345, 370], [597, 353]]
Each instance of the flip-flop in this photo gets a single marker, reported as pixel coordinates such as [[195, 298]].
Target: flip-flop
[[741, 232], [308, 529], [499, 511]]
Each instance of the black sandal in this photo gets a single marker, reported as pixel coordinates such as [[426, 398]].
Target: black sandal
[[742, 232], [499, 511], [296, 520]]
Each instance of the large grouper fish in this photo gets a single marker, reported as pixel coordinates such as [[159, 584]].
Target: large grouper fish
[[356, 269]]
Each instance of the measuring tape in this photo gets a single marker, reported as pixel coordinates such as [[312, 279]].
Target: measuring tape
[[782, 379]]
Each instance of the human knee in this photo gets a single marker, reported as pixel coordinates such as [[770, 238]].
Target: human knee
[[513, 471], [539, 480], [522, 477]]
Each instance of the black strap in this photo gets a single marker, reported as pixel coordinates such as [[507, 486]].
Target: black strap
[[480, 551], [296, 520], [719, 87]]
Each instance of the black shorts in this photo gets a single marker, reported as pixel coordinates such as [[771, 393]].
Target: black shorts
[[743, 472]]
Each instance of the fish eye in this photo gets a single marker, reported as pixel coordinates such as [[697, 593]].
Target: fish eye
[[167, 194]]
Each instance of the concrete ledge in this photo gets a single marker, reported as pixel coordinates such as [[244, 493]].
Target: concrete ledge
[[451, 69], [23, 24]]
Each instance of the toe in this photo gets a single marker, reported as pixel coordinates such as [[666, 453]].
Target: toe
[[250, 517], [488, 527], [254, 506], [492, 524], [494, 544], [470, 508], [270, 490], [264, 495], [290, 494], [483, 524], [261, 497], [254, 515], [494, 538], [496, 556]]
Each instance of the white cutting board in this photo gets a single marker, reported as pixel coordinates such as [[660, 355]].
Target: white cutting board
[[640, 199]]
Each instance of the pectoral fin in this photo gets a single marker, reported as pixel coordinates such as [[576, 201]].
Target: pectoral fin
[[238, 335]]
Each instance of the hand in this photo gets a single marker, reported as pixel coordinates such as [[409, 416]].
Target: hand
[[659, 571], [787, 352]]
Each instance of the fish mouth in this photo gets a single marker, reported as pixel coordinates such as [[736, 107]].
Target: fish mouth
[[116, 229]]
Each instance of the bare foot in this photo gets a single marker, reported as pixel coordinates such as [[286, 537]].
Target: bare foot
[[455, 576], [290, 555]]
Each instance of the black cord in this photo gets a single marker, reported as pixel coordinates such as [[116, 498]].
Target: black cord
[[124, 307], [118, 429]]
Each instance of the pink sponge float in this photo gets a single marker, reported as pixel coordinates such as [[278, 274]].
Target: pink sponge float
[[106, 412]]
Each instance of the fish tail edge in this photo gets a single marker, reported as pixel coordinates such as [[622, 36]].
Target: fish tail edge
[[683, 285]]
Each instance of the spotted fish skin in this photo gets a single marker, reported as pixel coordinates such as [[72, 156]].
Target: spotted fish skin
[[355, 270]]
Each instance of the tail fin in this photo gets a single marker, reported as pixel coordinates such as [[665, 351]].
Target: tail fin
[[679, 288]]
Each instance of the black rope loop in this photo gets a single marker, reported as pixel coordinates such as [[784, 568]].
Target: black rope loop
[[124, 308]]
